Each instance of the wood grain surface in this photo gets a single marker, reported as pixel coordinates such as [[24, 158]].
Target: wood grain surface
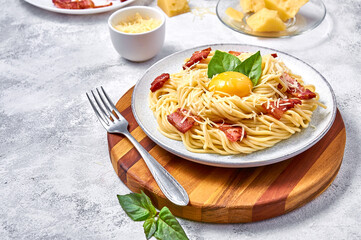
[[230, 195]]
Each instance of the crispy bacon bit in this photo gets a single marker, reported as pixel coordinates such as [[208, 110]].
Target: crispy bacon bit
[[278, 107], [235, 53], [274, 55], [182, 120], [197, 57], [295, 88], [77, 4], [159, 82], [233, 133]]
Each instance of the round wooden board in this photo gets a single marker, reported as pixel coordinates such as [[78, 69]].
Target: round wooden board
[[230, 195]]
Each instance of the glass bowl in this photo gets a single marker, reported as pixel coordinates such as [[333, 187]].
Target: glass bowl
[[309, 17]]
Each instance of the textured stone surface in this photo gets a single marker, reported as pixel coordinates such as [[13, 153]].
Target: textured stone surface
[[55, 176]]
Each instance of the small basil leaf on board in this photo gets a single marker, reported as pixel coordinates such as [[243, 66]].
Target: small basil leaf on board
[[222, 62], [148, 203], [137, 206], [168, 228], [150, 226], [251, 67]]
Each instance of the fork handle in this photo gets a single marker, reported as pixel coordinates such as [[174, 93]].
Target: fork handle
[[169, 186]]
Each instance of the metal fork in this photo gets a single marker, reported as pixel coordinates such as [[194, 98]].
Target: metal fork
[[116, 123]]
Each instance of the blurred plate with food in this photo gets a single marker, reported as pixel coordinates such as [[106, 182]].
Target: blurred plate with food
[[271, 18], [79, 7]]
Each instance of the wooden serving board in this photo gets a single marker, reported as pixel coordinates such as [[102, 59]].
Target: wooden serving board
[[230, 195]]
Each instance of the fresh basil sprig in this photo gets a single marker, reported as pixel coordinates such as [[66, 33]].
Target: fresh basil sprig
[[168, 227], [150, 226], [137, 206], [251, 67], [223, 62], [162, 225]]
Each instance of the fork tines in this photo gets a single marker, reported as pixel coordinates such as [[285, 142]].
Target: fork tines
[[108, 113]]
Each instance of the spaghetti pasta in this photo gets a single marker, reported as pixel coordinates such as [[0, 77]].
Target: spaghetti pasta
[[188, 89]]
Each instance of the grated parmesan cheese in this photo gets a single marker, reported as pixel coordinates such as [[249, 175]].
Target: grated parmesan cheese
[[201, 12], [242, 134], [278, 103], [138, 24], [276, 90]]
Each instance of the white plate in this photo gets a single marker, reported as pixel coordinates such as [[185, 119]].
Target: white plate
[[322, 119], [49, 5]]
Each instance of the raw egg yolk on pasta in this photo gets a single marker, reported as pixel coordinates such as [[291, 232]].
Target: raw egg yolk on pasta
[[232, 83]]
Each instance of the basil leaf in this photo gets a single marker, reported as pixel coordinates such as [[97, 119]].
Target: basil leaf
[[222, 62], [168, 228], [251, 67], [149, 227], [137, 206]]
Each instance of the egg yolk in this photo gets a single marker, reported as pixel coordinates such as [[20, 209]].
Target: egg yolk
[[232, 83]]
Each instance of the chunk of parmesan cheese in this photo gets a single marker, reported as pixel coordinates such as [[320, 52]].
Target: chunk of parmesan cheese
[[174, 7], [286, 8], [252, 5], [266, 20], [234, 14]]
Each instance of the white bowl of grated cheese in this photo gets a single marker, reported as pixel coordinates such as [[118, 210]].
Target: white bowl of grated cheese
[[137, 33]]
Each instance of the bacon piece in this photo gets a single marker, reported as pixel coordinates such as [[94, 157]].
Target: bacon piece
[[197, 57], [295, 88], [159, 82], [180, 120], [274, 55], [278, 107], [77, 4], [233, 133], [234, 53], [69, 4]]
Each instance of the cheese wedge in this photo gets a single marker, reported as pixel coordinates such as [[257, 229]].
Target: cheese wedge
[[286, 8], [174, 7], [234, 14], [266, 20], [252, 5]]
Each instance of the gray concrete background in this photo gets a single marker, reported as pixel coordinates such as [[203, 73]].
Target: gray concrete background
[[55, 175]]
